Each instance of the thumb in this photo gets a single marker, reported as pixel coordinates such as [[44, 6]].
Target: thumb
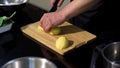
[[52, 2], [60, 3]]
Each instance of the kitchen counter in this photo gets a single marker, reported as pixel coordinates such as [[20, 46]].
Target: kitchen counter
[[14, 44]]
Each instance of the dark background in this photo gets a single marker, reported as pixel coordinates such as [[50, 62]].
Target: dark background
[[13, 44]]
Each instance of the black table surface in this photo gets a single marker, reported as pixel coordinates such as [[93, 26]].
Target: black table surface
[[14, 44]]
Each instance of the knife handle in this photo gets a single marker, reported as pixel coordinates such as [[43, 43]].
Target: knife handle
[[54, 8]]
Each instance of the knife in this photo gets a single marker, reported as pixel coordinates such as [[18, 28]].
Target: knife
[[54, 8]]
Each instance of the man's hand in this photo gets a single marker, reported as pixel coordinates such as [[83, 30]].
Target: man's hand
[[51, 19]]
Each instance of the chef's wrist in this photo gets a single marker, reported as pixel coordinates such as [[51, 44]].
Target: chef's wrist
[[62, 15]]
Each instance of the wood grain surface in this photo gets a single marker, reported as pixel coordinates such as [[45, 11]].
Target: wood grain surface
[[77, 36]]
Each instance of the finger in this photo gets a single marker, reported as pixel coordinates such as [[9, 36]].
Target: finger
[[41, 20], [48, 25], [47, 28], [44, 24], [60, 3], [52, 2]]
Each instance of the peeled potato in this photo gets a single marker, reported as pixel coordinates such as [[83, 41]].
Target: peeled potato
[[40, 28], [62, 42], [53, 31]]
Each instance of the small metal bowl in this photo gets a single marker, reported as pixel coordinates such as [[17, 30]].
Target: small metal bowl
[[29, 62], [12, 2], [9, 6]]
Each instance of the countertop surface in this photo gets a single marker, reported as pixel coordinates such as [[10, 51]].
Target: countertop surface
[[14, 44]]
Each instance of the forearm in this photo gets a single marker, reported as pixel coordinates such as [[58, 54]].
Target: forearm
[[77, 7]]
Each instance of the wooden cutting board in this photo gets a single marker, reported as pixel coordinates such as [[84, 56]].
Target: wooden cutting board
[[76, 35]]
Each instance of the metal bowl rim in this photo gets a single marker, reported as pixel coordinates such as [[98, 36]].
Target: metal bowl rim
[[113, 43], [25, 1], [29, 57]]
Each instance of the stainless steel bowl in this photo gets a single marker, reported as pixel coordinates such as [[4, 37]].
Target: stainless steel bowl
[[111, 55], [29, 62], [12, 2]]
